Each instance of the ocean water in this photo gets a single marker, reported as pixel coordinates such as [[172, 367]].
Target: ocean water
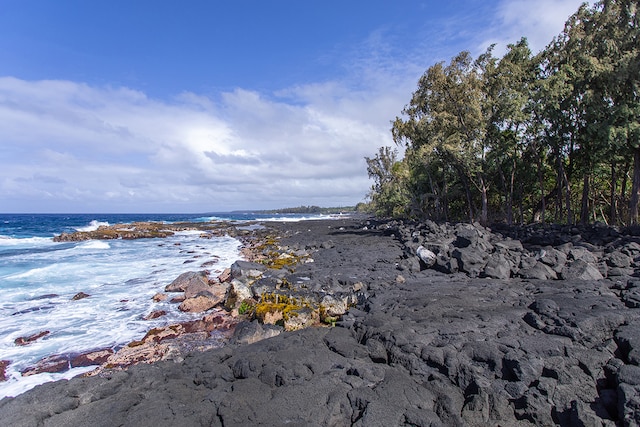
[[39, 277]]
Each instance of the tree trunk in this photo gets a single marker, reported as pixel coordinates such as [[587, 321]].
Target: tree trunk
[[635, 187], [467, 191], [584, 205], [543, 206], [567, 195], [613, 212], [484, 214], [445, 195]]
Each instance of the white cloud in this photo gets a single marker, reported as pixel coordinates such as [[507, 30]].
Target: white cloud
[[70, 146], [538, 20]]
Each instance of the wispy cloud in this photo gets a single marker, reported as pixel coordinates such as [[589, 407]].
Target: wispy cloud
[[70, 146], [67, 145], [538, 20]]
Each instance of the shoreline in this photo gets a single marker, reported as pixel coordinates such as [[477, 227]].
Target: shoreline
[[424, 340], [212, 329]]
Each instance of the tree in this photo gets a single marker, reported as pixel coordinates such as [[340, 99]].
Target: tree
[[559, 129], [508, 87], [445, 121], [388, 195]]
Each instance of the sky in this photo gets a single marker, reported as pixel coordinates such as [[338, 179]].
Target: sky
[[154, 106]]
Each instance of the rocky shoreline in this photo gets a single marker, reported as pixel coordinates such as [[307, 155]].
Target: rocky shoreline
[[387, 323]]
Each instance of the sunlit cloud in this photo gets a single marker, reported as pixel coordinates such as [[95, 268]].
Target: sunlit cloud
[[74, 144], [539, 21], [71, 146]]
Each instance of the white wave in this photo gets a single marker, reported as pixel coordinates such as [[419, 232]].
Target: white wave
[[93, 225], [94, 244], [120, 281], [209, 219], [33, 272], [300, 218], [189, 233], [17, 384], [27, 241]]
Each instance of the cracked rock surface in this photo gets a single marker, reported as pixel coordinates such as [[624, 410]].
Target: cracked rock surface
[[424, 345]]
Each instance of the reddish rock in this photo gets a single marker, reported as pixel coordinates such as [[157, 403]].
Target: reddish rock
[[225, 276], [210, 263], [199, 303], [31, 338], [50, 364], [79, 296], [97, 357], [161, 334], [210, 322], [177, 299], [195, 288], [3, 369], [155, 314], [190, 278], [160, 297]]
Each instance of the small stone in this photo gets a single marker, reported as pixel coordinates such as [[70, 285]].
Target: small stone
[[79, 296], [31, 338], [97, 357], [3, 369], [159, 297], [155, 314], [50, 364]]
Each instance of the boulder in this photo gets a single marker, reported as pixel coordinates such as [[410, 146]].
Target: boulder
[[470, 260], [466, 235], [583, 254], [628, 339], [426, 256], [251, 332], [539, 271], [225, 276], [553, 258], [195, 287], [236, 293], [246, 270], [301, 318], [581, 270], [498, 267], [185, 280], [202, 302], [618, 259], [334, 305]]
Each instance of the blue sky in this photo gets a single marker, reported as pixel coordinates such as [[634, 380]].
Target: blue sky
[[200, 106]]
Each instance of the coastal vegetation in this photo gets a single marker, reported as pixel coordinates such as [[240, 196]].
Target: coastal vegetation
[[311, 209], [547, 137]]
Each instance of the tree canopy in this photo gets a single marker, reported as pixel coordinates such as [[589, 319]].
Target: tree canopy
[[553, 136]]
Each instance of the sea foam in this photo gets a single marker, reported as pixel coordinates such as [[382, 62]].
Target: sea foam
[[120, 277]]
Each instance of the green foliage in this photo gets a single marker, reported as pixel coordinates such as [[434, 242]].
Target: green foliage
[[553, 136], [246, 307], [317, 210]]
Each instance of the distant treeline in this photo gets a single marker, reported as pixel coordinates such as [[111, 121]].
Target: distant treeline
[[523, 138], [317, 210]]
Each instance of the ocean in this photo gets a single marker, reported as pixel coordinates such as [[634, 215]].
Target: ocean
[[40, 277]]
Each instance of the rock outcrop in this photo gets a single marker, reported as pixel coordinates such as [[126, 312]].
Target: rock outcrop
[[465, 341]]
